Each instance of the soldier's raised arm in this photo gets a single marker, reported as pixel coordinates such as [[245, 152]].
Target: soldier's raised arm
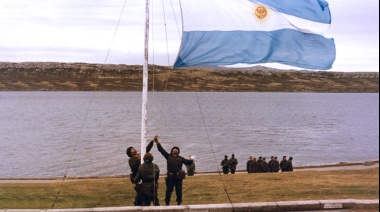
[[160, 148]]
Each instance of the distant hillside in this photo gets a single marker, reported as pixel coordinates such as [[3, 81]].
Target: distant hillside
[[49, 76]]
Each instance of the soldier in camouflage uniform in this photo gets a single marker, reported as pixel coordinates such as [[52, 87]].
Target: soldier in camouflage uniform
[[289, 165], [265, 165], [191, 168], [148, 173], [249, 162], [254, 166], [283, 163], [275, 165], [134, 163], [225, 165], [233, 163], [270, 166], [260, 167]]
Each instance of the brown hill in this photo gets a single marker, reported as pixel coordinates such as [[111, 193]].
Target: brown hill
[[46, 76]]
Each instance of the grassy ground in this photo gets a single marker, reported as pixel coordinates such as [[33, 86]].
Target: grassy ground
[[199, 189]]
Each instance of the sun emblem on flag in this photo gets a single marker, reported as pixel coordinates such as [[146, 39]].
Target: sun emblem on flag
[[261, 13]]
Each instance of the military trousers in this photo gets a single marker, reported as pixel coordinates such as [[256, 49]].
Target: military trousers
[[148, 194], [171, 183]]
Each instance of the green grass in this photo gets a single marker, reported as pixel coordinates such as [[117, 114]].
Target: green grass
[[200, 189]]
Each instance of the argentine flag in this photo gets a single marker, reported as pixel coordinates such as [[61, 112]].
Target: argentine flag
[[227, 32]]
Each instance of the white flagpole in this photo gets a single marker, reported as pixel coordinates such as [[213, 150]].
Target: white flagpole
[[145, 85]]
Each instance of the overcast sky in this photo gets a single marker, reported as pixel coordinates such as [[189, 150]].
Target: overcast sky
[[95, 31]]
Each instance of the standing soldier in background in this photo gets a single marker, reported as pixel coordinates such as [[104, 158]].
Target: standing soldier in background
[[175, 174], [149, 173], [233, 163], [283, 163], [134, 163], [225, 165], [191, 168]]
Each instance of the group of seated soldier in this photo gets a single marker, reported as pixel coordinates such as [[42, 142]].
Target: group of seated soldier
[[261, 165]]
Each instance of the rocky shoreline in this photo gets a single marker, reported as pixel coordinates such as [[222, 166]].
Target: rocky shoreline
[[50, 76]]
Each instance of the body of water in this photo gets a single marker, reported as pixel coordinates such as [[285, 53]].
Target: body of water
[[48, 134]]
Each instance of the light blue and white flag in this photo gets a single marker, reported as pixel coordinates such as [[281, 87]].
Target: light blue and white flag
[[227, 32]]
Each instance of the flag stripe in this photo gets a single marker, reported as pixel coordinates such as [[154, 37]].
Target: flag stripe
[[245, 21], [313, 10], [225, 48], [239, 15]]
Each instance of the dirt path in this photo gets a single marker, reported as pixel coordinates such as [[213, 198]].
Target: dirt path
[[340, 166]]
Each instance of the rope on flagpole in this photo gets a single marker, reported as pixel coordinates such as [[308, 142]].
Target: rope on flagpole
[[213, 152]]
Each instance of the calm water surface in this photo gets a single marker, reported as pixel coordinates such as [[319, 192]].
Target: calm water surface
[[45, 134]]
